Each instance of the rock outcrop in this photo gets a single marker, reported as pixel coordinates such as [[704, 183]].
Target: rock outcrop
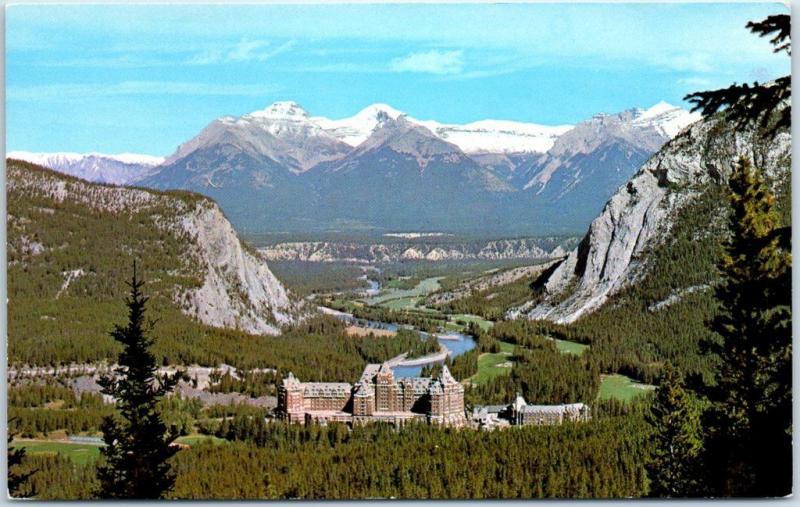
[[425, 249], [232, 286], [239, 290], [613, 252]]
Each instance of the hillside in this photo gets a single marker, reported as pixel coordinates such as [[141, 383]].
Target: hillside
[[639, 285], [71, 245]]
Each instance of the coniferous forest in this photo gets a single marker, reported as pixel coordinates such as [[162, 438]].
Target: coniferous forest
[[702, 334]]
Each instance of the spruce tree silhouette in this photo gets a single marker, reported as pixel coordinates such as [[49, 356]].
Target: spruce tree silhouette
[[137, 440], [749, 427], [677, 439], [753, 394], [744, 103]]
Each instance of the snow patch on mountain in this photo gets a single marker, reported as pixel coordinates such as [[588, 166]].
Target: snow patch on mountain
[[666, 119], [120, 169], [497, 136], [612, 254], [356, 129], [70, 157]]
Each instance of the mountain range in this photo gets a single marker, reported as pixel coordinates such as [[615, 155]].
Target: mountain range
[[282, 170], [121, 169], [642, 218]]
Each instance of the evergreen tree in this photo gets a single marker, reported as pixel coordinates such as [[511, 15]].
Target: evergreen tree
[[16, 478], [677, 438], [137, 441], [744, 102], [753, 390]]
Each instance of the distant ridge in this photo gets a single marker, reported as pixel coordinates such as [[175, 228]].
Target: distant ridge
[[282, 169]]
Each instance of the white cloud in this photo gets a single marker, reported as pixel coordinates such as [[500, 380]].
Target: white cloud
[[697, 81], [686, 62], [430, 62], [132, 88], [243, 51]]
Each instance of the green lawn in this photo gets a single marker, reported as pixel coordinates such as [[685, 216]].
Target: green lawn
[[80, 453], [569, 347], [423, 288], [196, 438], [621, 387], [483, 323], [409, 303], [488, 364]]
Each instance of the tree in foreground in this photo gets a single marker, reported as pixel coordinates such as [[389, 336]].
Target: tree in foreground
[[753, 396], [677, 439], [16, 477], [137, 440], [744, 103], [748, 446]]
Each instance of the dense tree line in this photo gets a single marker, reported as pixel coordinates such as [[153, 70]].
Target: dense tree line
[[375, 349], [600, 459], [494, 302], [542, 375], [419, 319], [251, 383], [36, 409], [56, 477], [318, 277], [540, 372]]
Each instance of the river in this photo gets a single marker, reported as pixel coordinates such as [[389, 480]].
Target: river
[[455, 343]]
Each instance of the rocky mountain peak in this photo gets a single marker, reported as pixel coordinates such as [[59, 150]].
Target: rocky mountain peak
[[640, 214], [280, 110], [409, 138]]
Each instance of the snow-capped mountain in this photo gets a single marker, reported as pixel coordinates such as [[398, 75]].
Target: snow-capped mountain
[[631, 135], [121, 169], [496, 136], [356, 129], [665, 118], [287, 133], [280, 168]]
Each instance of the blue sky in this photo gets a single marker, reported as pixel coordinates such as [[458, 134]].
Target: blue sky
[[145, 78]]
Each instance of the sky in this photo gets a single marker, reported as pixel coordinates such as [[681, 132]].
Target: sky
[[145, 78]]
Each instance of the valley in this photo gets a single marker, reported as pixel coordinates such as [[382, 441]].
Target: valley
[[557, 319], [415, 251]]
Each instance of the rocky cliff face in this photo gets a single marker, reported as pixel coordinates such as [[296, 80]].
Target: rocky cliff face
[[613, 252], [239, 290], [218, 281], [374, 253]]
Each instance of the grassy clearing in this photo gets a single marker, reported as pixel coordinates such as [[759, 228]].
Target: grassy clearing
[[423, 288], [402, 303], [488, 364], [569, 347], [196, 438], [466, 317], [80, 453], [621, 387]]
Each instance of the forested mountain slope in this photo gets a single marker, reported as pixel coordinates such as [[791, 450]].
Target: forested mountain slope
[[639, 284], [71, 245]]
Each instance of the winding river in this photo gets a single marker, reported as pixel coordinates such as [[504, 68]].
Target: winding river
[[455, 343]]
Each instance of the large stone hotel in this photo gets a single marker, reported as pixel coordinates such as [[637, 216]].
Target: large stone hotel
[[377, 396]]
